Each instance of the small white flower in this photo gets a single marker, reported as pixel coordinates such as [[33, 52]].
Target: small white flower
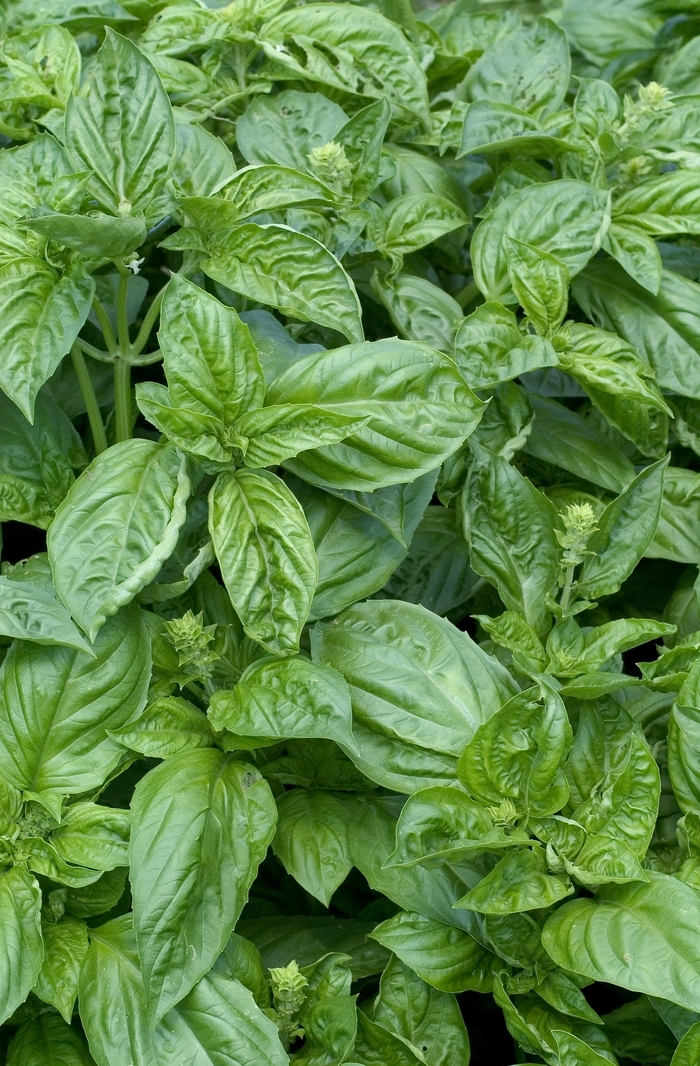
[[135, 265]]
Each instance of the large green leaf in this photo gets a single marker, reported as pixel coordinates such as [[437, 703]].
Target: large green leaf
[[42, 315], [312, 839], [116, 527], [267, 558], [427, 1019], [291, 271], [641, 936], [36, 461], [341, 46], [56, 705], [65, 947], [419, 688], [20, 937], [528, 67], [418, 405], [566, 218], [280, 699], [202, 822], [31, 610], [48, 1041], [665, 328], [121, 129], [217, 1024], [447, 958]]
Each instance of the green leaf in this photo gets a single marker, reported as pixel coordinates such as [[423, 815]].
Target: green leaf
[[528, 66], [518, 882], [267, 558], [167, 726], [443, 824], [572, 651], [509, 526], [418, 405], [31, 610], [312, 839], [569, 1044], [604, 362], [280, 267], [445, 957], [36, 461], [286, 698], [676, 535], [285, 128], [540, 282], [378, 1046], [338, 46], [120, 128], [636, 253], [490, 126], [414, 220], [202, 822], [116, 528], [661, 206], [665, 329], [567, 219], [65, 948], [517, 754], [489, 347], [212, 369], [360, 538], [47, 1041], [625, 531], [431, 893], [56, 705], [420, 310], [217, 1024], [306, 939], [418, 687], [42, 315], [636, 1031], [565, 439], [640, 936], [96, 236], [436, 571], [20, 937], [689, 1048], [270, 435], [425, 1018], [94, 836]]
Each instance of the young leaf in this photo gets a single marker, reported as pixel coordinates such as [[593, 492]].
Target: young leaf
[[509, 526], [518, 882], [65, 948], [267, 558], [202, 822], [31, 610]]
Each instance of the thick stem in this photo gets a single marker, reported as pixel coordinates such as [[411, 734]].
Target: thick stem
[[122, 399], [568, 588], [95, 353], [123, 310], [99, 436]]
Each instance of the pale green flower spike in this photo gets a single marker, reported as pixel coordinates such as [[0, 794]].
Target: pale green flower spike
[[331, 165], [191, 641]]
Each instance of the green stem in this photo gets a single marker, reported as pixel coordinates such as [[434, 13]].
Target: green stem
[[468, 294], [95, 353], [122, 399], [148, 323], [123, 309], [568, 588], [105, 326], [91, 406]]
